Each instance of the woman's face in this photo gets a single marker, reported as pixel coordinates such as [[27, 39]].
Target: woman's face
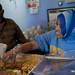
[[58, 30]]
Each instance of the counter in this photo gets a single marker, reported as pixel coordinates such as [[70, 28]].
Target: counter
[[54, 67], [33, 64], [23, 64]]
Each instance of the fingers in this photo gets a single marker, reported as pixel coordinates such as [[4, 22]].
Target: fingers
[[8, 55], [57, 52], [61, 52]]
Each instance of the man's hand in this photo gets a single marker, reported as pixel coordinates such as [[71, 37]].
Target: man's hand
[[9, 54]]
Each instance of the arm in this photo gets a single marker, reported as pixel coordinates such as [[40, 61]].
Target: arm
[[26, 47], [40, 42]]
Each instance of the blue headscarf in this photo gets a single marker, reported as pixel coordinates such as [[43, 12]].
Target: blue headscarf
[[69, 18], [61, 19], [67, 22]]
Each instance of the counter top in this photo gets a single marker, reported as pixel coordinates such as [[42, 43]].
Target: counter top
[[54, 67], [23, 64]]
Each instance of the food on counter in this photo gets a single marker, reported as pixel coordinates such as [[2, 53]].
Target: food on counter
[[23, 64], [31, 62]]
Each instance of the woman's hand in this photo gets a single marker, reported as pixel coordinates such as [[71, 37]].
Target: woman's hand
[[60, 52], [56, 51]]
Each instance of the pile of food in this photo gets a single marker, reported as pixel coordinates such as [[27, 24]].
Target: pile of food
[[31, 63], [22, 65]]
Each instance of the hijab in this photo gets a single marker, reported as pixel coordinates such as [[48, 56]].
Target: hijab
[[67, 22]]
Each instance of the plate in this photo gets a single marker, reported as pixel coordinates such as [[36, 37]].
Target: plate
[[59, 58]]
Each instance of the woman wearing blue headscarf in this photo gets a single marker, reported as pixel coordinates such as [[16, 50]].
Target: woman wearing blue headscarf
[[57, 41]]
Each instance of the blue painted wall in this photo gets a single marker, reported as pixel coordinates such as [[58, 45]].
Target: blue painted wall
[[26, 20], [41, 17]]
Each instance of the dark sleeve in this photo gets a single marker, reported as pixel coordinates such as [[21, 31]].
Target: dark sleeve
[[20, 36]]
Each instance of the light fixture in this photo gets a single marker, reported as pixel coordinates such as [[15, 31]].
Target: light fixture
[[60, 2]]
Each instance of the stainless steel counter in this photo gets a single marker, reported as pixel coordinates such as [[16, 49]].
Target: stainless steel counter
[[54, 67]]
